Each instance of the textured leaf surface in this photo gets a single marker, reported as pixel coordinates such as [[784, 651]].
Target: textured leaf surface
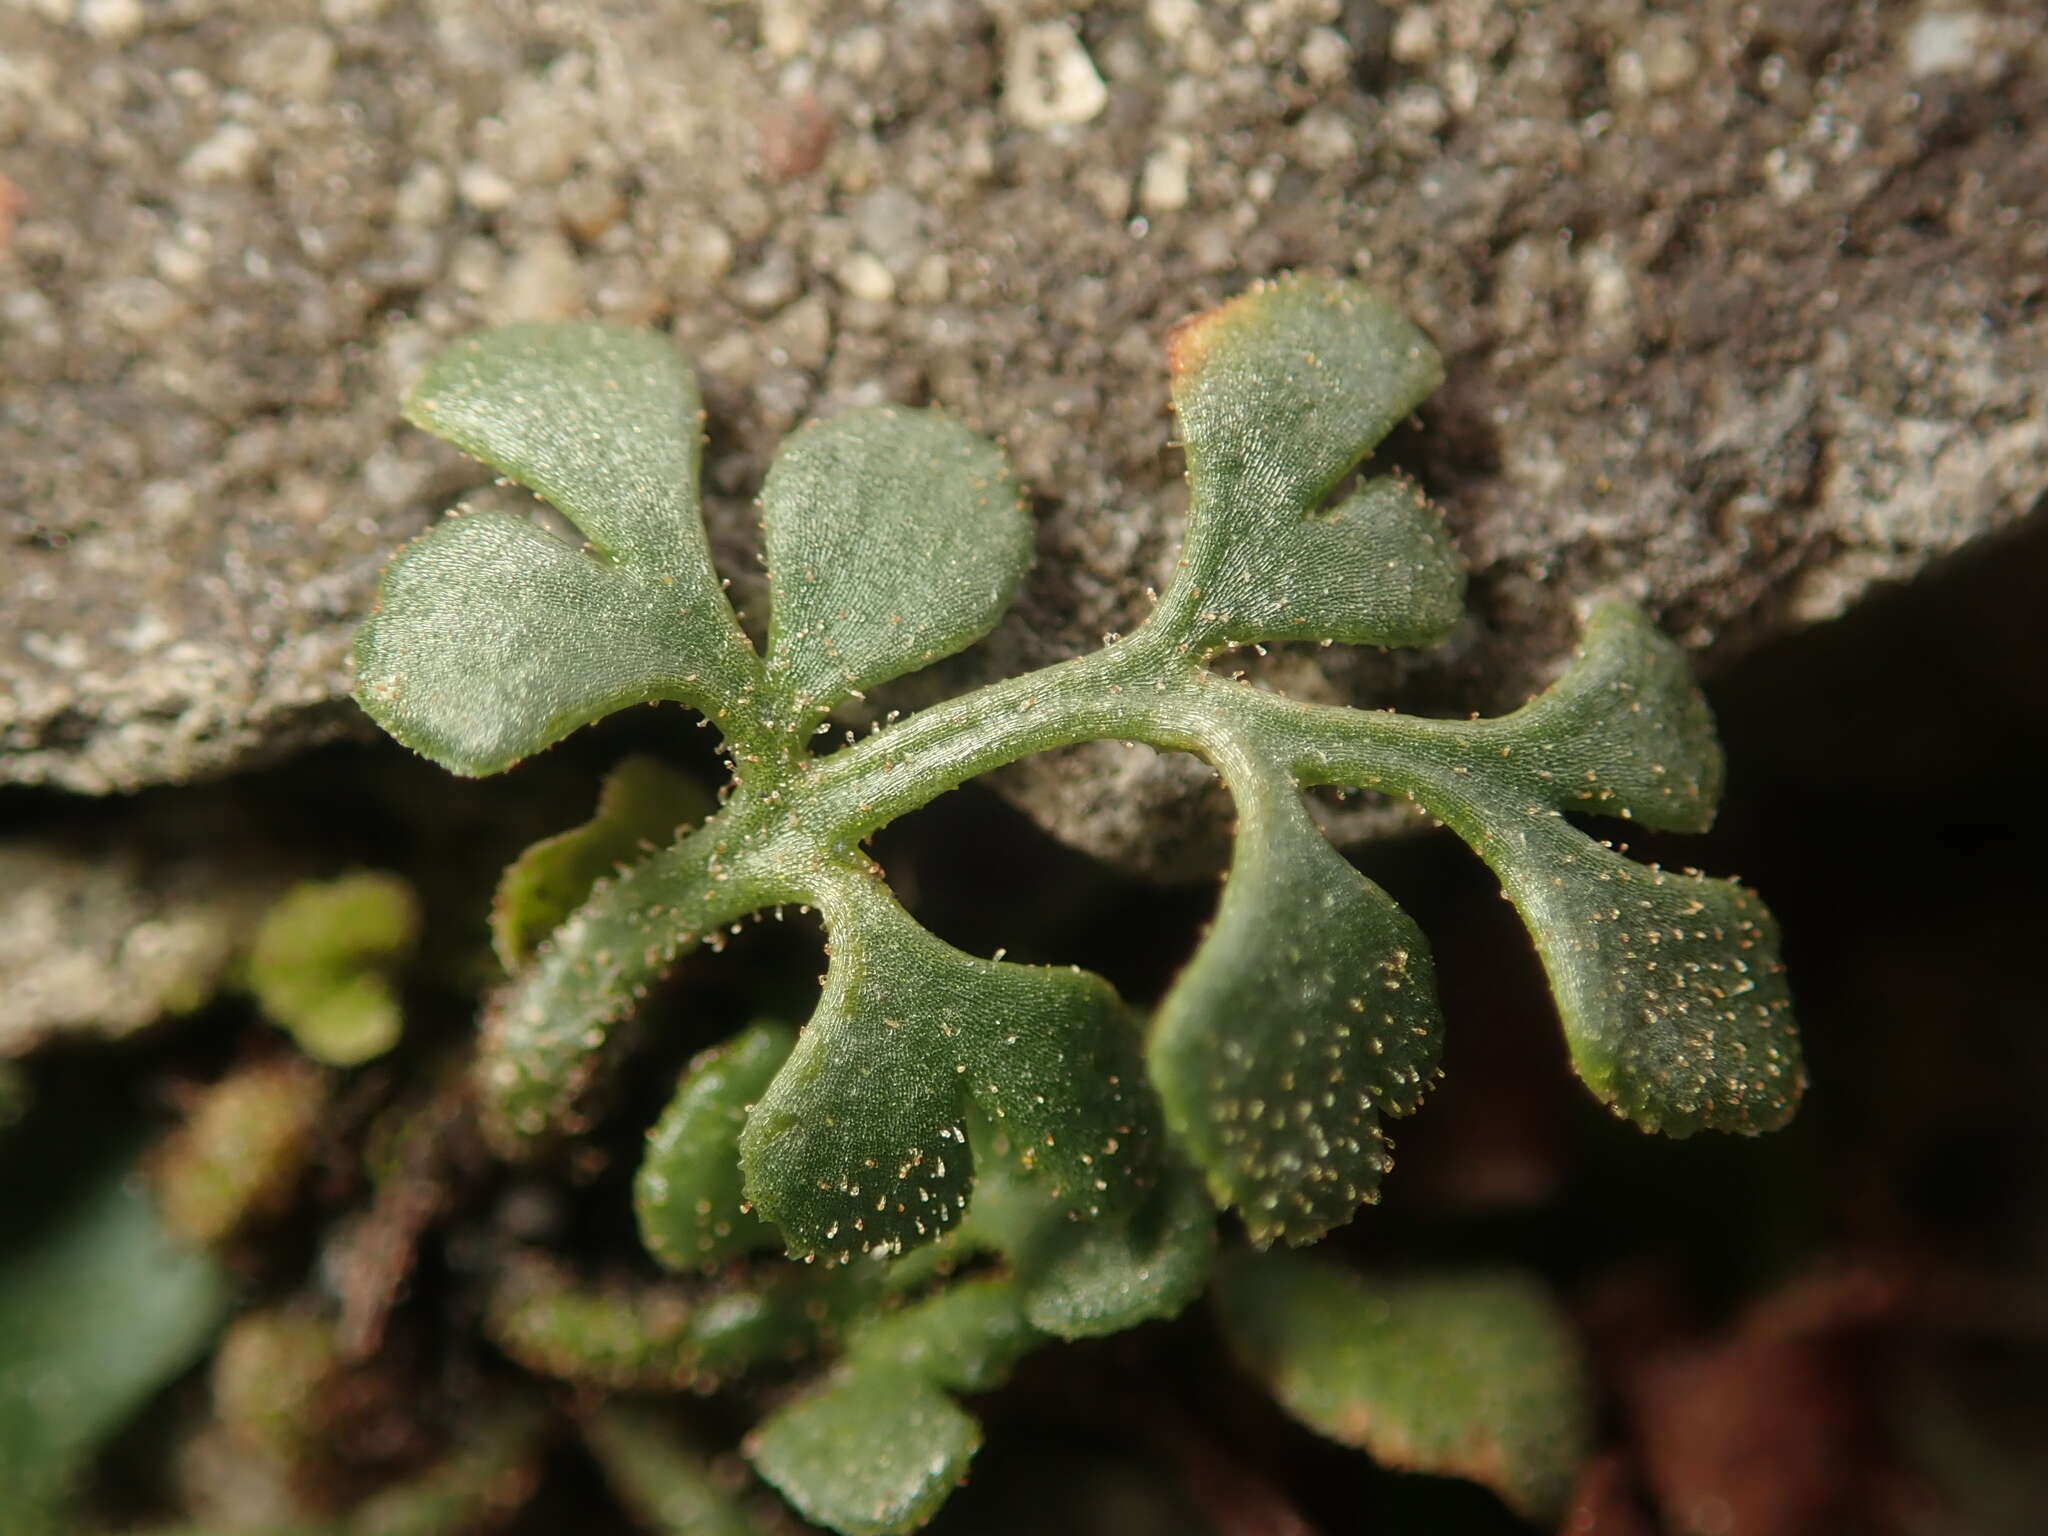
[[326, 959], [967, 1336], [1670, 986], [879, 1445], [1280, 394], [1306, 1016], [870, 1453], [602, 421], [894, 537], [99, 1307], [1622, 733], [861, 1141], [643, 805], [550, 1035], [687, 1193], [1475, 1376], [1081, 1280], [1376, 569], [492, 639]]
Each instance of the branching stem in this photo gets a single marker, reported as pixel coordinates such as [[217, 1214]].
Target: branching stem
[[787, 832]]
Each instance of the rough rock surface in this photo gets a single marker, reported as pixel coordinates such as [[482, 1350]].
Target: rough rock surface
[[102, 935], [1742, 305]]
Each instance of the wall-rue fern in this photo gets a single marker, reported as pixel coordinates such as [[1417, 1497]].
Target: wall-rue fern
[[936, 1094]]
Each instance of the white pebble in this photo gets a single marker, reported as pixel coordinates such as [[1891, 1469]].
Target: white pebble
[[1048, 79], [484, 189], [296, 63], [141, 306], [862, 52], [1669, 58], [423, 198], [769, 284], [1324, 139], [785, 27], [542, 282], [864, 277], [1944, 42], [1414, 39], [183, 259], [1325, 56], [111, 21], [1163, 185], [229, 153], [1418, 109], [705, 251], [1171, 19]]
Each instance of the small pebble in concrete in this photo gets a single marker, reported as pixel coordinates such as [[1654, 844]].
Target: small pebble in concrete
[[1049, 81]]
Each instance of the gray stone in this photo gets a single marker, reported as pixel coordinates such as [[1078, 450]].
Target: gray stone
[[104, 935], [1743, 307]]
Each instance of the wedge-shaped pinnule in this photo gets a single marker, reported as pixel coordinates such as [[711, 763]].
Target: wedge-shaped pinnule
[[491, 638], [894, 537], [1307, 1015], [877, 1447], [687, 1194], [1281, 393], [1624, 732], [1472, 1375], [873, 1454], [1080, 1280], [861, 1140], [967, 1336], [1669, 986]]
